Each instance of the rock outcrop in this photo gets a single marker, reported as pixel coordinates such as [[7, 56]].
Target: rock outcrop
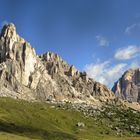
[[25, 75], [128, 86]]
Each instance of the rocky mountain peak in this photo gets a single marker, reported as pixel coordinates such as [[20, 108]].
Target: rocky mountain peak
[[57, 64], [8, 41], [14, 48], [26, 76], [128, 86], [9, 31]]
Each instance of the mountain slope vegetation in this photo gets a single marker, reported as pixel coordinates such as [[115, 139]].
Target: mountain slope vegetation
[[22, 120]]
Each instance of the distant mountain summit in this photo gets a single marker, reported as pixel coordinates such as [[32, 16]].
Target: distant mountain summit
[[25, 75], [128, 86]]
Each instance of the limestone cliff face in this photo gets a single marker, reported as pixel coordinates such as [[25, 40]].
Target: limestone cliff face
[[15, 49], [128, 86], [21, 69], [27, 76], [73, 83]]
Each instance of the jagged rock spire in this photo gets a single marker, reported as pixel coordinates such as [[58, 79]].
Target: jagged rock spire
[[8, 30], [8, 38], [13, 47]]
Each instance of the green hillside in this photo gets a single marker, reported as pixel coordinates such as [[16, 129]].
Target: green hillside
[[21, 120]]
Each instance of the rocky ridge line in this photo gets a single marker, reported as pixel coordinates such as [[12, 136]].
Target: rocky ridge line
[[25, 75]]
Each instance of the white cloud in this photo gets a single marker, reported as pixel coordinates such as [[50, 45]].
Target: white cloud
[[102, 41], [131, 28], [97, 70], [116, 70], [127, 53], [105, 73]]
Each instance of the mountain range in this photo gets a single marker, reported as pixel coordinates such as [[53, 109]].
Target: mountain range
[[47, 77], [55, 101], [26, 75]]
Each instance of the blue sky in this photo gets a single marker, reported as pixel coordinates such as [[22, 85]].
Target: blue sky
[[99, 36]]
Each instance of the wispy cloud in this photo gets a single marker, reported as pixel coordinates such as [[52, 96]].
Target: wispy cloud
[[105, 73], [102, 41], [127, 53], [97, 70], [131, 28]]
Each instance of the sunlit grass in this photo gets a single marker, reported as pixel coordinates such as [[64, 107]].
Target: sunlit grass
[[21, 120]]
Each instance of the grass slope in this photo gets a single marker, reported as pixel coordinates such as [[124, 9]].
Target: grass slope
[[21, 120]]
